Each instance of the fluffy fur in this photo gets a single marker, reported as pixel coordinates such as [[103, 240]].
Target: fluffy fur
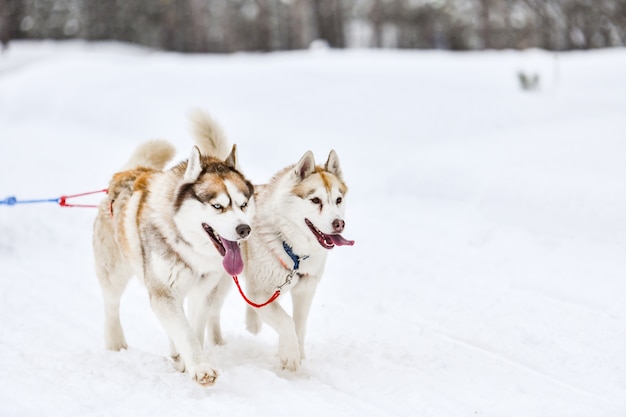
[[302, 206], [179, 231]]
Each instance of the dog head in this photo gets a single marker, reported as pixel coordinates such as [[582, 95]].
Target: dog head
[[214, 205], [320, 195]]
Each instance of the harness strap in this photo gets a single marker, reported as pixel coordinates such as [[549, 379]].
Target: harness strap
[[63, 199]]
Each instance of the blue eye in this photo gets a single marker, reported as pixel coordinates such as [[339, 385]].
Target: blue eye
[[217, 206]]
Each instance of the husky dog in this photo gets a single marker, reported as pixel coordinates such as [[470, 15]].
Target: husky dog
[[299, 217], [179, 231]]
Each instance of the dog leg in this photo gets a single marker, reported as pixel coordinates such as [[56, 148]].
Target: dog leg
[[302, 298], [113, 334], [177, 360], [204, 309], [288, 351], [253, 321], [113, 284], [198, 311], [113, 274], [215, 303], [171, 314]]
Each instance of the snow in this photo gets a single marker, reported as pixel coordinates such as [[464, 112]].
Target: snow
[[487, 277]]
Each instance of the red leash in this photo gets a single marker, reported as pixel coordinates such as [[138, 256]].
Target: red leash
[[296, 265], [63, 199], [255, 305]]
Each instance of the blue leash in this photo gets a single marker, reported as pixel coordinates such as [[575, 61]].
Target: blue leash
[[12, 200], [62, 201]]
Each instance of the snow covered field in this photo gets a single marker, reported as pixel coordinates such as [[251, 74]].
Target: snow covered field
[[489, 272]]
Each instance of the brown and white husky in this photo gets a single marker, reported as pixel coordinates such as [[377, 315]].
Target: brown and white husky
[[178, 231]]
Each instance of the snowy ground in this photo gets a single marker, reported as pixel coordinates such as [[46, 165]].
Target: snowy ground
[[488, 277]]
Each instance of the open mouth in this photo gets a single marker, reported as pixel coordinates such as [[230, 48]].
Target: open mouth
[[328, 241], [229, 249], [215, 238]]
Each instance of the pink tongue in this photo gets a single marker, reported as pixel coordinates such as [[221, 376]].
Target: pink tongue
[[233, 264], [340, 241]]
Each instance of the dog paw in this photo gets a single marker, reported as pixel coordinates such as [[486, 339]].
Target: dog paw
[[178, 362], [116, 345], [216, 338], [291, 364], [291, 359], [114, 338], [205, 375]]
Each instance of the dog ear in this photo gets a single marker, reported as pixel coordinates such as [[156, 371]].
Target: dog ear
[[332, 164], [306, 166], [194, 166], [231, 159]]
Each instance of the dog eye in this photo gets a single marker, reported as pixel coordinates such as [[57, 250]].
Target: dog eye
[[316, 200], [217, 206], [244, 205], [339, 200]]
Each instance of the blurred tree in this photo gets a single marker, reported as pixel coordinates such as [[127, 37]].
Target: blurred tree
[[330, 21], [268, 25], [485, 23], [10, 10]]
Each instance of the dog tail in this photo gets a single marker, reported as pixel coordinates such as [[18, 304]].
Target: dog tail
[[154, 154], [210, 138]]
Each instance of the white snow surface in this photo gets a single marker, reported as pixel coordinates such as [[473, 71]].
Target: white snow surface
[[488, 276]]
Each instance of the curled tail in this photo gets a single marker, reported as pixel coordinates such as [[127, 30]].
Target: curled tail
[[209, 136], [149, 156], [154, 154]]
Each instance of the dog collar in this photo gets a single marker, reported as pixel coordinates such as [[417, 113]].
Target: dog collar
[[295, 258]]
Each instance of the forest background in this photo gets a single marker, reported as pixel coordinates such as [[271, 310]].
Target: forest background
[[223, 26]]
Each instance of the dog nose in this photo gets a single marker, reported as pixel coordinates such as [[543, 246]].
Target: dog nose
[[243, 230], [338, 225]]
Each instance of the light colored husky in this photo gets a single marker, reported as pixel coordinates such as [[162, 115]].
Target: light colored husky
[[299, 217], [179, 231]]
